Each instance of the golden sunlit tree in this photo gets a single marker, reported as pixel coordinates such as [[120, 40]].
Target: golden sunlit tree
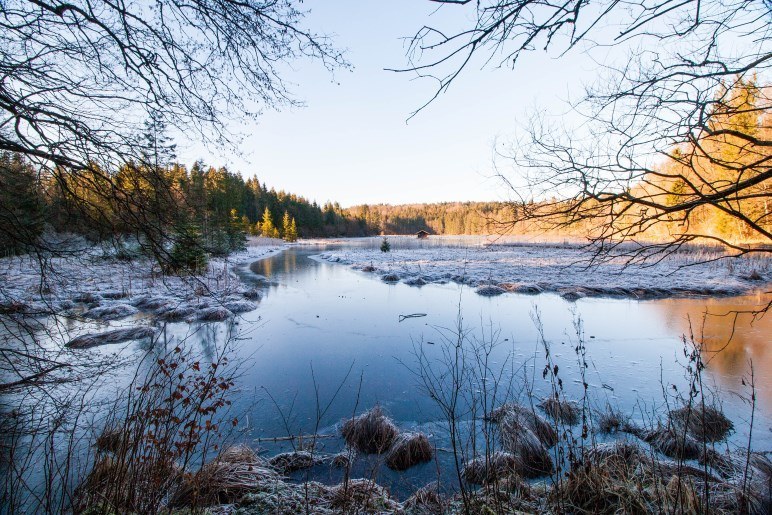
[[673, 143]]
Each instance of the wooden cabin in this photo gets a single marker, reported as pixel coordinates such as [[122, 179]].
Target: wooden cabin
[[422, 234]]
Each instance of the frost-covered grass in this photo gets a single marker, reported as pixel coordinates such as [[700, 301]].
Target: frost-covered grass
[[560, 268], [97, 285]]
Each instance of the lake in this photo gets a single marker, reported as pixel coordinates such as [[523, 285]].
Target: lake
[[329, 341], [324, 326]]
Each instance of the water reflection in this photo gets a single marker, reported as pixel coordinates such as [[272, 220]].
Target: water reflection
[[730, 334], [329, 316]]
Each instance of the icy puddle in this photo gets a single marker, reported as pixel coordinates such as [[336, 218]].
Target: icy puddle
[[333, 340]]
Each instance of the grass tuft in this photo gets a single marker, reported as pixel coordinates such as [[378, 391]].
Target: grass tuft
[[409, 449], [371, 432]]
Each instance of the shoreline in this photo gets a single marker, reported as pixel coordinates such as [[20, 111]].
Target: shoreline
[[535, 268], [124, 295]]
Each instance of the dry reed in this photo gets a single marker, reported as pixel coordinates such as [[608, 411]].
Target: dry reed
[[562, 411], [708, 424], [409, 449], [371, 432]]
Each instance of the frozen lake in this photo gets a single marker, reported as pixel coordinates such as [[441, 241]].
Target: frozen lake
[[346, 325]]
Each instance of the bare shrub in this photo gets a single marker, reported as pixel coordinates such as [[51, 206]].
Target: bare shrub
[[169, 416]]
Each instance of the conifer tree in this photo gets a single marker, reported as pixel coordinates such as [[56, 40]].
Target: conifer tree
[[285, 225], [289, 228], [267, 228], [294, 230]]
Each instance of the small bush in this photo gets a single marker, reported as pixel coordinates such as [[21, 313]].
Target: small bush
[[187, 255], [385, 245]]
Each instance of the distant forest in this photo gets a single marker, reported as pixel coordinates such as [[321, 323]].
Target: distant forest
[[221, 205]]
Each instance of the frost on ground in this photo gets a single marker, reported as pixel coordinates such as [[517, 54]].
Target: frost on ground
[[96, 285], [536, 268]]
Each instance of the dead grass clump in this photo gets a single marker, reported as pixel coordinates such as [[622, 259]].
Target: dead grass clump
[[241, 453], [528, 418], [531, 457], [599, 489], [288, 462], [426, 499], [86, 341], [682, 496], [610, 421], [277, 497], [371, 432], [508, 495], [675, 444], [708, 424], [730, 498], [224, 480], [342, 460], [362, 496], [409, 449], [119, 486], [619, 457], [622, 478], [732, 465], [486, 469], [562, 411], [748, 479]]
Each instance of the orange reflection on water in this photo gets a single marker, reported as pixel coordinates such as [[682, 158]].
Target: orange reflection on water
[[731, 336]]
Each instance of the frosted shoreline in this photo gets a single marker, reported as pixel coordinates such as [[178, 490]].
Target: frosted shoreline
[[539, 268], [99, 288]]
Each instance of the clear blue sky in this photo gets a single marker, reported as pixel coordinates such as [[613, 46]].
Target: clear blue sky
[[352, 141]]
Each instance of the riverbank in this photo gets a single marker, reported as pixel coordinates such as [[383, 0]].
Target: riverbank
[[97, 285], [681, 469], [533, 268]]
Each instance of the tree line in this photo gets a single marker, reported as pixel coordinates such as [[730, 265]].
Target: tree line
[[211, 209], [159, 205]]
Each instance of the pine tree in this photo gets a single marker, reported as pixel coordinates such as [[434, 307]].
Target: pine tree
[[294, 230], [187, 255], [21, 207], [289, 228], [159, 151], [267, 228]]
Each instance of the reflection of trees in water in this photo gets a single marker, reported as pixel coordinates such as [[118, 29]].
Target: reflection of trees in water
[[262, 267], [286, 262], [729, 342], [289, 261]]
